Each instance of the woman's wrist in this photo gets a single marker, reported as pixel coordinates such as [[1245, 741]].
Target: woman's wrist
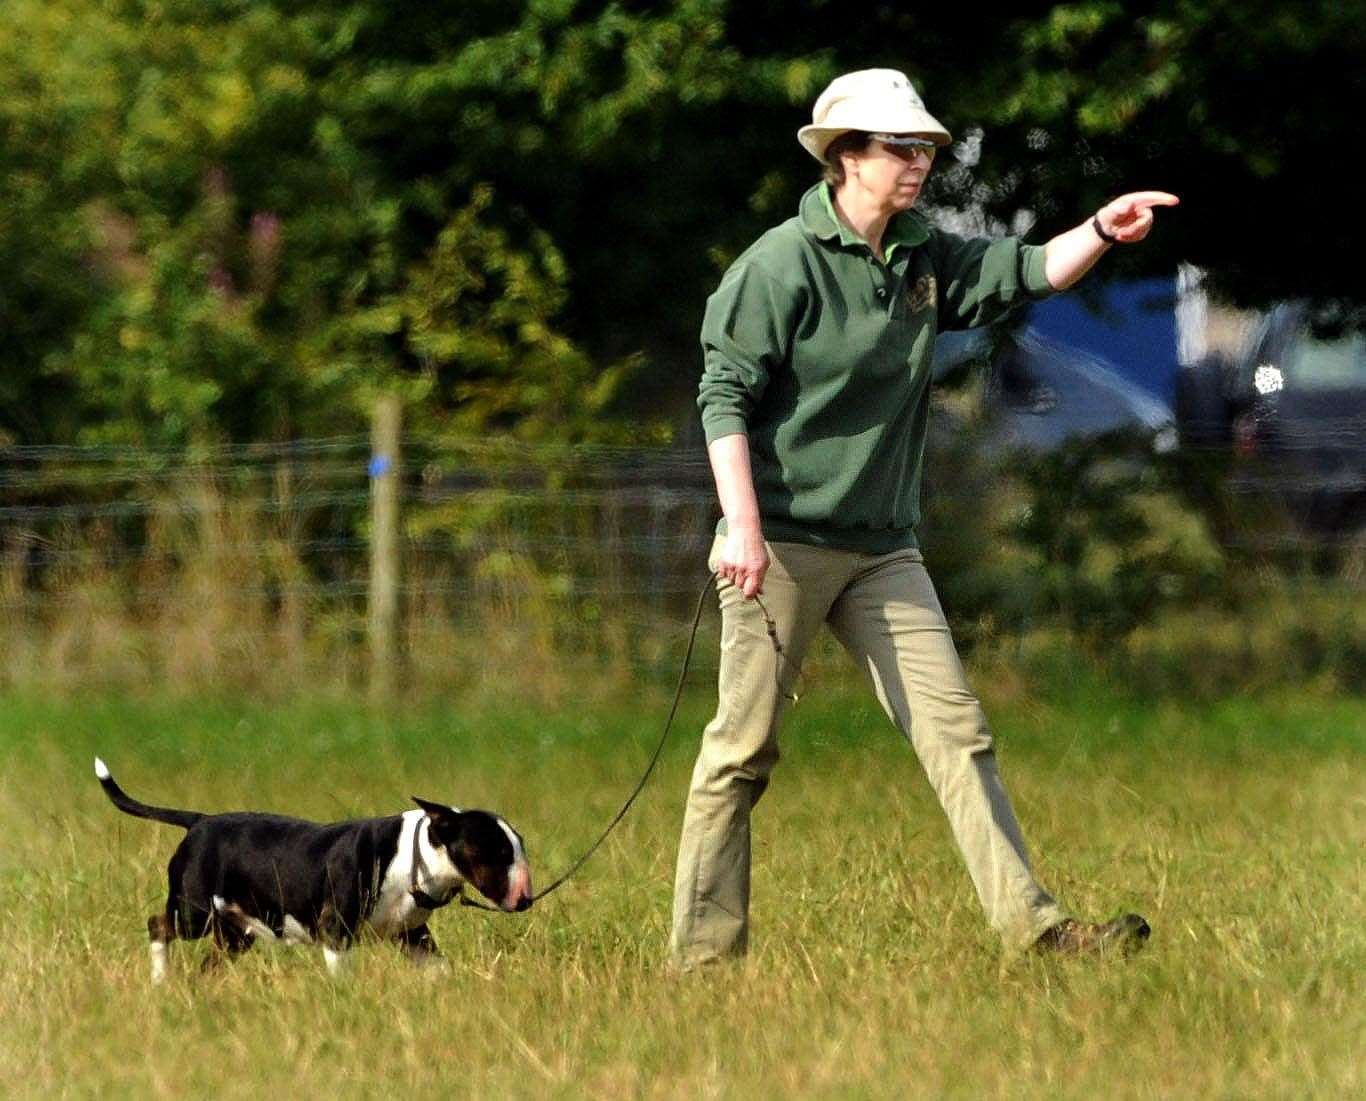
[[747, 537]]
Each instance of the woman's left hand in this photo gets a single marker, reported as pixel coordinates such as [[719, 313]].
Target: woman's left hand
[[1122, 221], [1129, 218]]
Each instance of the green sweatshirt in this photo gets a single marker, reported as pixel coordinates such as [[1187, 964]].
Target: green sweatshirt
[[820, 354]]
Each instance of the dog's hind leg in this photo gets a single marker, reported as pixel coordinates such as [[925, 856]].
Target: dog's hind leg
[[250, 928], [230, 936], [160, 931]]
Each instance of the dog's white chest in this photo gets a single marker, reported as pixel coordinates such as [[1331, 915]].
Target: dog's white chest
[[396, 910]]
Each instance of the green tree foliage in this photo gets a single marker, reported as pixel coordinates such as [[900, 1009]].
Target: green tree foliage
[[271, 222], [55, 98], [1242, 107], [240, 218], [1106, 545]]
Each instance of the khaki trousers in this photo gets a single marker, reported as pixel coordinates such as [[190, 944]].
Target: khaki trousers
[[884, 611]]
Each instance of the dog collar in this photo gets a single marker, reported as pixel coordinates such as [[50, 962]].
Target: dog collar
[[419, 868]]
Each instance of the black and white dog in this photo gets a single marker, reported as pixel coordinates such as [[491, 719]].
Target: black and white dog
[[245, 876]]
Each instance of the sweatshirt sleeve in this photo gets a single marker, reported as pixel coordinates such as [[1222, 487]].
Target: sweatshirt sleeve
[[981, 280], [746, 335]]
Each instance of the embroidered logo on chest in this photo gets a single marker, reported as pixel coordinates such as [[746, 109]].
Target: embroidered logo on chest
[[922, 293]]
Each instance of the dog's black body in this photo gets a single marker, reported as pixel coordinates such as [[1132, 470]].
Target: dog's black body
[[272, 866], [245, 876]]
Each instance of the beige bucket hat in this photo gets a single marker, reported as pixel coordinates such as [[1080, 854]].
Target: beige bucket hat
[[875, 100]]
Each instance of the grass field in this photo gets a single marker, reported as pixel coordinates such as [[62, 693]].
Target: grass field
[[1238, 828]]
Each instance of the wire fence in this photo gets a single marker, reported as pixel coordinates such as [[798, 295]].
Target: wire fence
[[261, 555], [247, 558]]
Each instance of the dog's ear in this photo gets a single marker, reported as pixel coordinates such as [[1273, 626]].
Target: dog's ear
[[439, 813]]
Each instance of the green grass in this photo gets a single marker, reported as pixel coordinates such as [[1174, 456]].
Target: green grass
[[1238, 828]]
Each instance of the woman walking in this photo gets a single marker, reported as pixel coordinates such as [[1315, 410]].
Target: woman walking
[[815, 404]]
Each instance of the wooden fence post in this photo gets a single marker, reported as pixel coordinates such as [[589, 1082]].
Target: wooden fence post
[[385, 475]]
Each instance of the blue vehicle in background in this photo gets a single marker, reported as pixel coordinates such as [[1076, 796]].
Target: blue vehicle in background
[[1072, 369], [1280, 394], [1131, 326]]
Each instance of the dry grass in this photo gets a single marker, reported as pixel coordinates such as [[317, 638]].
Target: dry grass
[[1237, 828], [215, 582]]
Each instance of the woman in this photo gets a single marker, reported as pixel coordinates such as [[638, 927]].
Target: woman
[[815, 401]]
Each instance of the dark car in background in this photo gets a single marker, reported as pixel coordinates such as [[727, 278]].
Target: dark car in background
[[1290, 409]]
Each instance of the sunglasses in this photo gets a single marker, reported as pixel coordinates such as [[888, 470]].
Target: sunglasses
[[910, 145]]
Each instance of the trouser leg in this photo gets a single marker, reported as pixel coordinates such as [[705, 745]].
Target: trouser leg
[[890, 620], [739, 750]]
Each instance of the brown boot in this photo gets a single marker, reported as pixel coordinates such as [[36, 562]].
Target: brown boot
[[1123, 935]]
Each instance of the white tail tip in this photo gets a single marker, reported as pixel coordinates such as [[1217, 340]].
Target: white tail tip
[[101, 770]]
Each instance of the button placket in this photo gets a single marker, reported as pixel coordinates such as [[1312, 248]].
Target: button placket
[[897, 284], [880, 275]]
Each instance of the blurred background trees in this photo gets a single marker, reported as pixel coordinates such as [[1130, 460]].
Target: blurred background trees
[[234, 219]]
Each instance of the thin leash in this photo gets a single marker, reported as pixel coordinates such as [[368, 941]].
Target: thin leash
[[772, 629]]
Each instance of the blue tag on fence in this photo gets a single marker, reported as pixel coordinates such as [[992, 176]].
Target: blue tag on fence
[[380, 466]]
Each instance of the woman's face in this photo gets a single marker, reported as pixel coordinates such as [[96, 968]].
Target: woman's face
[[891, 176]]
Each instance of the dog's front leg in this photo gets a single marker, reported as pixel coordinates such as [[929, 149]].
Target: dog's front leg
[[419, 945], [335, 958], [335, 939]]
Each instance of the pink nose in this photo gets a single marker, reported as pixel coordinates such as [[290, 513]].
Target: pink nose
[[519, 894]]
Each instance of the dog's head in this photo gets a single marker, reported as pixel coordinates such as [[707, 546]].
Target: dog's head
[[484, 850]]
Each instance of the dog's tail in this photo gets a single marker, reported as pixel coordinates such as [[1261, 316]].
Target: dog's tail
[[126, 803]]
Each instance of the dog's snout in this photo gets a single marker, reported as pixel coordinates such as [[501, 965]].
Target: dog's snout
[[519, 896]]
